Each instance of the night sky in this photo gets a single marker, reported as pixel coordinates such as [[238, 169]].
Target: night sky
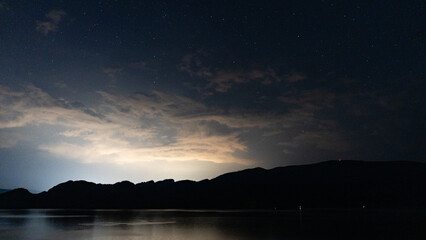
[[107, 91]]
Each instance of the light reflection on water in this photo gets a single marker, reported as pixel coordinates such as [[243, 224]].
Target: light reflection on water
[[209, 225]]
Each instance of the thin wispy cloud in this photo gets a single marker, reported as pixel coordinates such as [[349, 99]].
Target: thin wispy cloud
[[222, 80], [295, 77], [4, 6], [54, 17]]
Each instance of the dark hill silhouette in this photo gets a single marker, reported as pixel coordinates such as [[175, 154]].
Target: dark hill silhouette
[[4, 190], [330, 184]]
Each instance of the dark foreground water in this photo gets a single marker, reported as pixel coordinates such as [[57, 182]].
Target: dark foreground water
[[212, 225]]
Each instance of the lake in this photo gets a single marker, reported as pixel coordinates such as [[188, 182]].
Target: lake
[[212, 225]]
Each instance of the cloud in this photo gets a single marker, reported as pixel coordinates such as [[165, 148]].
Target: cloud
[[223, 80], [313, 130], [46, 27], [122, 129], [54, 17], [60, 84], [3, 6], [326, 139], [193, 65], [8, 139], [112, 72], [148, 128], [309, 100], [33, 106], [295, 77]]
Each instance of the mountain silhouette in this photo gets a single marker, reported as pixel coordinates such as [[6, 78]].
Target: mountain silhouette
[[330, 184], [3, 190]]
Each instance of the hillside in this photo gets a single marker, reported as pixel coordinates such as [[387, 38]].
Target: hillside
[[330, 184], [4, 190]]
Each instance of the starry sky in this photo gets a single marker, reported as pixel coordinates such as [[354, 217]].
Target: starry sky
[[137, 90]]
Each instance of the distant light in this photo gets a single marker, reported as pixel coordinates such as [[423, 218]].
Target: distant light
[[300, 207], [339, 160], [363, 206]]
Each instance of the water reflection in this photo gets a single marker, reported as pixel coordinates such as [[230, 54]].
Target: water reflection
[[209, 225]]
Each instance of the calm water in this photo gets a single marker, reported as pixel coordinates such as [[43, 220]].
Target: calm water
[[212, 225]]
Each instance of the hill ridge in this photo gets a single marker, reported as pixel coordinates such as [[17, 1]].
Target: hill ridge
[[332, 183]]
